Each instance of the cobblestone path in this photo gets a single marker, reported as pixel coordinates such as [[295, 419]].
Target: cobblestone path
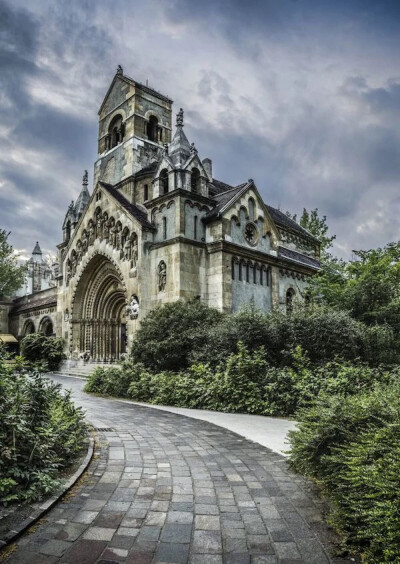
[[166, 488]]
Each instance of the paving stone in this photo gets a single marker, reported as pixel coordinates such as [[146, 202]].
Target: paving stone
[[85, 517], [55, 547], [207, 542], [183, 517], [99, 533], [207, 522], [176, 533], [172, 552], [70, 531], [287, 550], [206, 559], [109, 519], [84, 552]]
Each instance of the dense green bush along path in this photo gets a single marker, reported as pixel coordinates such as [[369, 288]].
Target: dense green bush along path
[[41, 434], [167, 488]]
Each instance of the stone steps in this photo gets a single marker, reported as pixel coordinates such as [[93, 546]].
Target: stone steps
[[80, 369]]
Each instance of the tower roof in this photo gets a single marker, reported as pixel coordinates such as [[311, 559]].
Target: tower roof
[[37, 250], [179, 150], [83, 198]]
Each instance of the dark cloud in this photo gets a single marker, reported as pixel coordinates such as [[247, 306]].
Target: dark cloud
[[303, 96]]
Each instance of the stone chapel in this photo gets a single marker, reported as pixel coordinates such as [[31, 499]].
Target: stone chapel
[[159, 227]]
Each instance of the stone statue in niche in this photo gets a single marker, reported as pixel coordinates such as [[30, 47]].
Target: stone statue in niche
[[79, 252], [92, 234], [68, 271], [132, 309], [118, 240], [134, 251], [99, 227], [106, 227], [162, 276], [73, 264], [127, 250], [84, 241], [113, 235]]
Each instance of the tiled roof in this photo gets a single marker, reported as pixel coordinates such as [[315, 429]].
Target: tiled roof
[[147, 169], [130, 208], [223, 198], [33, 302], [284, 221], [146, 88], [294, 256]]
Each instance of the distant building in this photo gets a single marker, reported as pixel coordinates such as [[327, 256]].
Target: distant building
[[41, 274]]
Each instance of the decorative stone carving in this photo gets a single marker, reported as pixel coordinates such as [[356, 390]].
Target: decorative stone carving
[[132, 309], [92, 233], [251, 233], [162, 276]]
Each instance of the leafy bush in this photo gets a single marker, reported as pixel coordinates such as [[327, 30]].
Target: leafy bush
[[323, 333], [41, 432], [351, 445], [169, 333], [38, 348]]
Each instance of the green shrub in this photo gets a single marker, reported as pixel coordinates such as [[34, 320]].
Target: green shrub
[[351, 445], [323, 333], [38, 348], [169, 333], [41, 432]]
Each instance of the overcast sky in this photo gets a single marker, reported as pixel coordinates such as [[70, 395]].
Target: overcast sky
[[302, 96]]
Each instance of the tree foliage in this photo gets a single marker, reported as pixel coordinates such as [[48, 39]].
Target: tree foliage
[[367, 287], [11, 274], [37, 348]]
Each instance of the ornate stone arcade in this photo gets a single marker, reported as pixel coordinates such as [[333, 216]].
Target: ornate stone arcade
[[98, 321]]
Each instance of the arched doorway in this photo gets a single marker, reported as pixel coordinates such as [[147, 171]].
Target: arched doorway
[[98, 314], [46, 327]]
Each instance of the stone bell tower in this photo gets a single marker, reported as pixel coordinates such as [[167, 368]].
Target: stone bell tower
[[134, 125]]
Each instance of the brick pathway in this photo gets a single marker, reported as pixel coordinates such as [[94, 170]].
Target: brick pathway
[[166, 488]]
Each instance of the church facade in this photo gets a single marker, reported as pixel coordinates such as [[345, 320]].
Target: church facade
[[158, 227]]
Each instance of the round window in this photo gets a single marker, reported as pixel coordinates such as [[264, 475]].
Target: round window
[[251, 233]]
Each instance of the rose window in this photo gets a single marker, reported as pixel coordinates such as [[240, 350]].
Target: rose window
[[251, 233]]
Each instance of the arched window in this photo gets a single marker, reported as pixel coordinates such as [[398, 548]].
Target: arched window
[[233, 269], [195, 180], [195, 227], [261, 276], [164, 181], [164, 221], [255, 271], [152, 129], [252, 207], [145, 192], [240, 270], [290, 294], [116, 132], [247, 272]]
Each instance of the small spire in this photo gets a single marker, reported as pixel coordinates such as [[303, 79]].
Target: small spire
[[179, 118], [120, 70], [85, 179], [37, 250], [193, 148]]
